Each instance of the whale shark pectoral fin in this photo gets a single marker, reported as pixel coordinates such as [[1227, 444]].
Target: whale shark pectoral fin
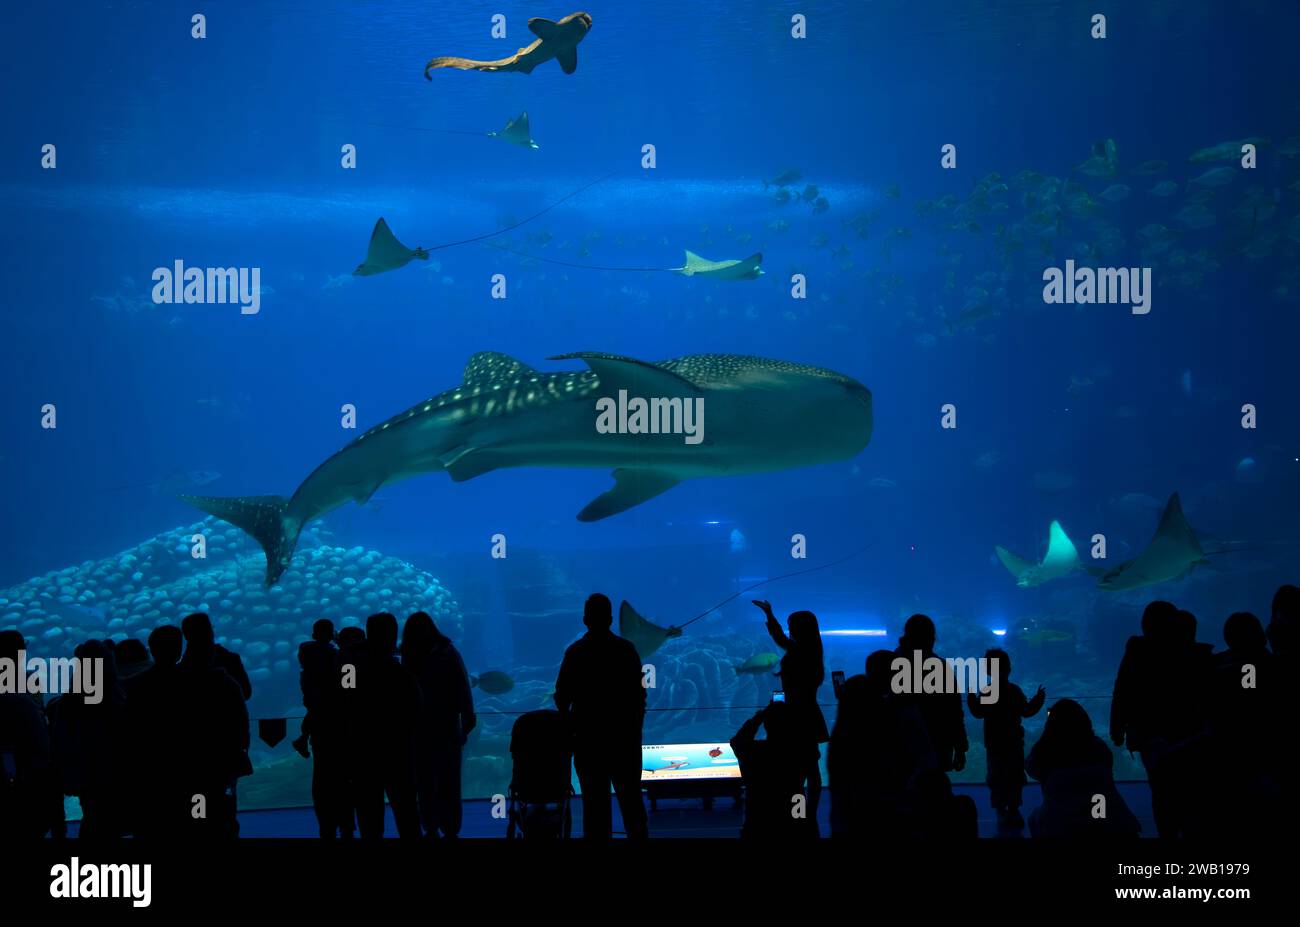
[[638, 377], [631, 488], [568, 60], [1016, 566], [461, 463]]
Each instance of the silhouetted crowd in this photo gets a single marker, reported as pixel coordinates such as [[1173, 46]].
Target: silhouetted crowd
[[160, 753]]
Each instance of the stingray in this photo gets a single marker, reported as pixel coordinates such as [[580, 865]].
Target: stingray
[[516, 132], [646, 637], [1060, 560], [554, 40], [1173, 552], [695, 266], [387, 253], [746, 269]]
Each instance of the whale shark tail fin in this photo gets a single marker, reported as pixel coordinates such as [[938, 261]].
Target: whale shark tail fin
[[262, 518]]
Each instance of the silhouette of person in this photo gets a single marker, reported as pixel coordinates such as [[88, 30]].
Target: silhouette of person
[[88, 744], [228, 660], [322, 738], [156, 713], [317, 662], [1183, 684], [1074, 766], [941, 712], [802, 672], [1284, 639], [1136, 703], [1232, 762], [215, 734], [1004, 739], [352, 651], [381, 717], [131, 659], [26, 773], [445, 723], [600, 694], [774, 771], [879, 741]]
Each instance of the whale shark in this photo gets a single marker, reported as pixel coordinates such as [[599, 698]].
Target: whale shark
[[516, 132], [697, 266], [386, 253], [1060, 560], [763, 415], [554, 40], [1172, 553]]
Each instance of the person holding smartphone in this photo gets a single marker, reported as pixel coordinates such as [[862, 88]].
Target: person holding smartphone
[[802, 673]]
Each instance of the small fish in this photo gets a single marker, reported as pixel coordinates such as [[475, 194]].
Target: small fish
[[892, 191], [493, 682], [1217, 177], [782, 195], [1046, 636], [757, 665], [1147, 168], [810, 193], [820, 205], [1115, 193], [784, 179]]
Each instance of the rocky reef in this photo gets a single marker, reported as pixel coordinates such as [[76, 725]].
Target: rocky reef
[[160, 581]]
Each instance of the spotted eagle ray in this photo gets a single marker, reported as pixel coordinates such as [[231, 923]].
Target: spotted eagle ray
[[744, 269], [516, 132], [554, 40], [697, 266], [1060, 560], [1172, 554], [763, 415], [386, 252]]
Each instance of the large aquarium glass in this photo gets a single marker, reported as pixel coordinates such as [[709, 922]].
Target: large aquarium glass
[[981, 311]]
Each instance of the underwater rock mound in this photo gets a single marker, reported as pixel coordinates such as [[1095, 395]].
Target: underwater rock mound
[[159, 582]]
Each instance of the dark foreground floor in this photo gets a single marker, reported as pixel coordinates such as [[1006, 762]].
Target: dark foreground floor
[[673, 818]]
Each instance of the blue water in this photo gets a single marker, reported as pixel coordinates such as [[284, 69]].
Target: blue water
[[225, 151]]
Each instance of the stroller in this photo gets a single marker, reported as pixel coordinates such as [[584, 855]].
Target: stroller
[[541, 785]]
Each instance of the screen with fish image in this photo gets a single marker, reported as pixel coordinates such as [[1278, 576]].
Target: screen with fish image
[[892, 309], [680, 762]]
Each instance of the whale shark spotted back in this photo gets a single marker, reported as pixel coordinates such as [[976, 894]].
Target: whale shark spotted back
[[766, 415]]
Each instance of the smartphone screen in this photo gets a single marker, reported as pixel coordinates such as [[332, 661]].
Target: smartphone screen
[[778, 696]]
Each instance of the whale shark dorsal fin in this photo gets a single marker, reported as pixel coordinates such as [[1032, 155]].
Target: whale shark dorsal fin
[[631, 488], [1016, 566], [494, 367], [638, 377], [385, 250], [1060, 549], [1174, 528]]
